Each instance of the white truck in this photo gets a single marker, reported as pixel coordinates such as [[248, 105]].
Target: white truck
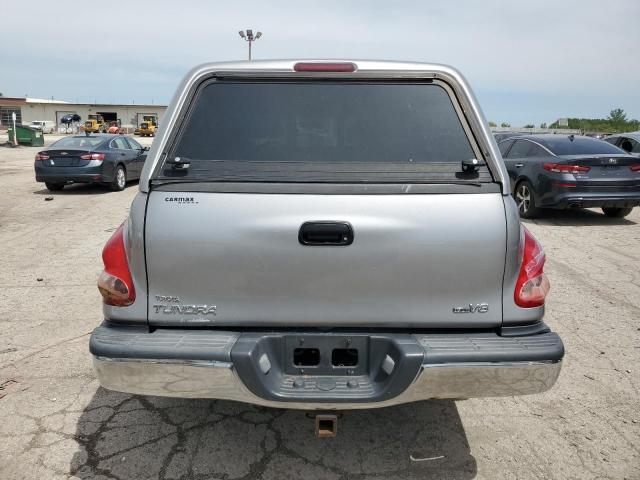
[[45, 126]]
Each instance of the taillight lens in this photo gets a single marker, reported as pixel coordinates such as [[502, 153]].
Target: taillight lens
[[562, 168], [532, 285], [115, 282], [635, 167], [40, 156], [93, 156]]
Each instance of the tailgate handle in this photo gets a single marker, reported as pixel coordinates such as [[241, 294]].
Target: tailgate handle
[[325, 233]]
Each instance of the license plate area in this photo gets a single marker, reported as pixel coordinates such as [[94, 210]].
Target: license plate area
[[326, 354], [63, 161], [326, 367]]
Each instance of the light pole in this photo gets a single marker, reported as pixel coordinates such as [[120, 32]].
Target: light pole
[[15, 133], [248, 36]]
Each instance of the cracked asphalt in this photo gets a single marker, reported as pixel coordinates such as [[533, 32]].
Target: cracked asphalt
[[57, 423]]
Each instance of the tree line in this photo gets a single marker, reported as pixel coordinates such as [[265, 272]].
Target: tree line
[[616, 122]]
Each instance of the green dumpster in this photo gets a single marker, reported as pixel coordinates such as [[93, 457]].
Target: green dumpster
[[27, 136]]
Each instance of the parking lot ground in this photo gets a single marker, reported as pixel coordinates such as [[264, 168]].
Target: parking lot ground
[[56, 422]]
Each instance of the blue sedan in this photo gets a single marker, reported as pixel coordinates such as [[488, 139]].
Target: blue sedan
[[106, 159]]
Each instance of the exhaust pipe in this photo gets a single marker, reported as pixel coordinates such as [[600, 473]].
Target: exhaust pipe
[[326, 425]]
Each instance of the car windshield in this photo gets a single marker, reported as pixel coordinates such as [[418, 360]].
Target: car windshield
[[564, 145], [323, 131], [78, 142]]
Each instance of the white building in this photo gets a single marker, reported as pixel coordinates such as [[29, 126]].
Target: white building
[[30, 109]]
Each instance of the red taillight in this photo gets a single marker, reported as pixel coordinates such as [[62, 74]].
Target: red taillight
[[635, 167], [93, 156], [561, 168], [345, 67], [115, 282], [532, 285], [40, 156]]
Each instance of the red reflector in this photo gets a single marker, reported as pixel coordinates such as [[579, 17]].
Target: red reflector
[[561, 168], [324, 67], [565, 185], [532, 284], [635, 167], [115, 282]]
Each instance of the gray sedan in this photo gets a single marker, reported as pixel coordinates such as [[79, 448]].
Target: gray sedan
[[567, 171], [107, 159]]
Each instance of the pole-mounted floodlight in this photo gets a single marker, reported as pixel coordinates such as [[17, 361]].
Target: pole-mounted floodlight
[[248, 36]]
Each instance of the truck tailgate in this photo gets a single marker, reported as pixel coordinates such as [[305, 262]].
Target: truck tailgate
[[235, 259]]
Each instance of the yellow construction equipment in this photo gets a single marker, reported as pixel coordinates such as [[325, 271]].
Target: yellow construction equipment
[[148, 126], [95, 124]]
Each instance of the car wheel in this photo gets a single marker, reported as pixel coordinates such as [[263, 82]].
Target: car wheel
[[525, 200], [54, 187], [119, 179], [615, 212]]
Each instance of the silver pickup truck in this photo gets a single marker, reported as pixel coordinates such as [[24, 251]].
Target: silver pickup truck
[[324, 235]]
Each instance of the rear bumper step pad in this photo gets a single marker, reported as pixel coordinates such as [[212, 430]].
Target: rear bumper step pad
[[255, 367]]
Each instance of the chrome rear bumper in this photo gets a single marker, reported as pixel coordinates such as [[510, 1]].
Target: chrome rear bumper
[[201, 379], [227, 365]]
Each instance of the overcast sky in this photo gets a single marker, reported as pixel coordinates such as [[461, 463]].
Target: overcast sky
[[530, 62]]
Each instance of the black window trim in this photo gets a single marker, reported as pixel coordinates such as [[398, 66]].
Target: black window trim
[[188, 106], [327, 188]]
